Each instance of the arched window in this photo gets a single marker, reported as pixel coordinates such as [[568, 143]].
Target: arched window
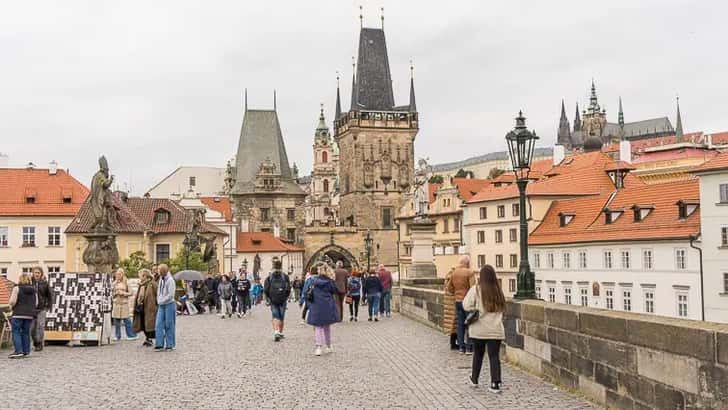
[[324, 156], [326, 185]]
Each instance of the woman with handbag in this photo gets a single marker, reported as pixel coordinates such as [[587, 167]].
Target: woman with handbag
[[120, 305], [322, 311], [485, 304], [145, 307], [353, 295]]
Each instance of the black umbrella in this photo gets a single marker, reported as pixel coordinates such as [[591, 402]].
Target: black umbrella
[[189, 275]]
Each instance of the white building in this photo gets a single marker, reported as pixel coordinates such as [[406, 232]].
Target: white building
[[714, 235], [626, 250], [190, 181], [323, 194]]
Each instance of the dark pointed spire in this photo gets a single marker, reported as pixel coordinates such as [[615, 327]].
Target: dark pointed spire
[[577, 119], [564, 136], [593, 101], [678, 125], [620, 119], [412, 103], [245, 99], [382, 17], [338, 98], [353, 85], [274, 100], [373, 77]]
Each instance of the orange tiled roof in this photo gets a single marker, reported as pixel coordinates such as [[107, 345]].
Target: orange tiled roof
[[467, 187], [6, 287], [686, 152], [262, 242], [219, 204], [719, 162], [589, 222], [49, 191]]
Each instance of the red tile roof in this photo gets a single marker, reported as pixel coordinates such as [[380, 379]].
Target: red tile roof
[[672, 154], [263, 242], [467, 187], [432, 190], [49, 191], [589, 222], [219, 204], [137, 215], [719, 162], [6, 287]]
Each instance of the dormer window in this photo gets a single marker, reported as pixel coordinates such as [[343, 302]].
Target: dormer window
[[686, 208], [611, 215], [161, 217], [642, 211], [565, 218], [29, 199]]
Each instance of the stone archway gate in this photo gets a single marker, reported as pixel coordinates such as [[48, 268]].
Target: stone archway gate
[[331, 254]]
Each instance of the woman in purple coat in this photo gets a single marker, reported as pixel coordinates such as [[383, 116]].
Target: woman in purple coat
[[322, 311]]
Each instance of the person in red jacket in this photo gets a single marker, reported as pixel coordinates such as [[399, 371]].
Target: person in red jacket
[[385, 276]]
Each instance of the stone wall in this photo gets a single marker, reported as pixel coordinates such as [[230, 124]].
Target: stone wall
[[420, 302]]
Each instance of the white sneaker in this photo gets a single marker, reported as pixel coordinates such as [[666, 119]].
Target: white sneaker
[[132, 338], [239, 315], [317, 352], [329, 349]]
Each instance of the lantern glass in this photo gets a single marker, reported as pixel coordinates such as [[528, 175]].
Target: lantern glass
[[521, 144]]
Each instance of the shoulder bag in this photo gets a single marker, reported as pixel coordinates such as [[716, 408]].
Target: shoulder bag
[[473, 315]]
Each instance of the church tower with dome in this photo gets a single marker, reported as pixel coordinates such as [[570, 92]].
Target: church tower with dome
[[323, 199]]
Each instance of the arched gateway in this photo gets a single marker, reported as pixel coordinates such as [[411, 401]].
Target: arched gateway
[[331, 254]]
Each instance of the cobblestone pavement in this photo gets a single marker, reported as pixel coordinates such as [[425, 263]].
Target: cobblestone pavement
[[234, 363]]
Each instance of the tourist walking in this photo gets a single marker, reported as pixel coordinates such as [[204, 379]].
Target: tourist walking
[[354, 292], [145, 307], [242, 290], [487, 330], [385, 276], [23, 300], [313, 272], [120, 294], [256, 293], [341, 275], [211, 283], [297, 285], [322, 308], [461, 280], [277, 289], [165, 325], [45, 301], [225, 291], [448, 317], [372, 293]]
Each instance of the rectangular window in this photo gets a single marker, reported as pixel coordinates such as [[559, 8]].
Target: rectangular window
[[498, 261], [481, 236], [552, 294], [264, 214], [567, 296], [550, 260], [483, 212], [608, 259], [445, 225], [584, 293], [723, 236], [513, 235], [4, 236], [27, 269], [193, 181], [625, 259], [538, 291], [498, 236], [681, 261], [481, 261], [536, 260], [515, 210], [582, 259], [647, 259], [724, 193], [649, 301], [161, 217], [725, 283], [514, 260], [386, 217], [456, 225], [627, 300], [291, 234], [609, 298], [291, 213], [511, 285], [4, 272], [29, 236], [566, 260], [54, 269], [682, 304], [501, 211], [54, 236], [161, 252], [408, 230]]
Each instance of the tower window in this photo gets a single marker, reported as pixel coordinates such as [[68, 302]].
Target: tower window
[[326, 185], [386, 217], [324, 157]]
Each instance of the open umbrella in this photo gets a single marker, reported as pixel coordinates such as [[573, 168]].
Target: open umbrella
[[188, 275]]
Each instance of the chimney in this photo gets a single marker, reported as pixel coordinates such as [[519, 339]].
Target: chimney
[[4, 160], [559, 154], [625, 151], [52, 168], [708, 142]]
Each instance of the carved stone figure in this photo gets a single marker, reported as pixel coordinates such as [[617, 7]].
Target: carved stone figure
[[421, 187], [101, 254], [100, 199]]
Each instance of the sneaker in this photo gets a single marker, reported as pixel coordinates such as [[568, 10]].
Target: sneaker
[[276, 337], [38, 347], [169, 349], [462, 352], [356, 319], [158, 349], [494, 388], [25, 355], [351, 318], [239, 315], [330, 349], [376, 319], [15, 356], [133, 338], [473, 383], [281, 335], [116, 339], [469, 353], [317, 352], [370, 319], [147, 343]]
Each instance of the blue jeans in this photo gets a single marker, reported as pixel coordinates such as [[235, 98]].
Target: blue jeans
[[165, 326], [127, 326], [384, 305], [373, 302], [279, 311], [21, 334], [460, 314]]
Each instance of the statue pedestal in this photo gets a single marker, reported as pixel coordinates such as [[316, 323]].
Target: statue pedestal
[[422, 231], [101, 253]]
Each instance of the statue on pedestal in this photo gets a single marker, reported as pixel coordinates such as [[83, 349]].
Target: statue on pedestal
[[101, 254]]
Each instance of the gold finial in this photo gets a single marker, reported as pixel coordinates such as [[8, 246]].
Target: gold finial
[[382, 9], [361, 16]]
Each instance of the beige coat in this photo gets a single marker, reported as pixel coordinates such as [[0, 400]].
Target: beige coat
[[120, 302], [448, 319], [147, 296], [462, 278], [488, 325]]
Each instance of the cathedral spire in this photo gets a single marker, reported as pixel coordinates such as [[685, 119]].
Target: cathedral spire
[[353, 84], [593, 101], [563, 136], [322, 120], [678, 125], [577, 119], [412, 103], [620, 120], [338, 99]]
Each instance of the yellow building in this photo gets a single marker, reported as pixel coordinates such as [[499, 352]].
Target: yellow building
[[154, 226]]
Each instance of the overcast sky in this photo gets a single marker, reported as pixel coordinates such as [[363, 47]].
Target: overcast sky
[[158, 84]]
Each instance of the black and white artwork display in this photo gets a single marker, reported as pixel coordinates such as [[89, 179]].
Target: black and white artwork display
[[80, 301]]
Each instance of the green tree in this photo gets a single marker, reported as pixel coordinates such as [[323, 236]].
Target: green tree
[[436, 179], [179, 262], [495, 173], [134, 263], [462, 173]]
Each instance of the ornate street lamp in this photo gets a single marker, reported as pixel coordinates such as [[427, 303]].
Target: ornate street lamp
[[368, 246], [521, 143]]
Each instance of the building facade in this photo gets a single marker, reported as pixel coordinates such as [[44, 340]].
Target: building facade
[[188, 182], [323, 196], [36, 206]]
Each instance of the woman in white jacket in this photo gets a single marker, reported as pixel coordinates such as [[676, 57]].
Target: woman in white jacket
[[487, 331]]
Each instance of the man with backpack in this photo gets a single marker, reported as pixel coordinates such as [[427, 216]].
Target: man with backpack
[[277, 289], [211, 284], [243, 292]]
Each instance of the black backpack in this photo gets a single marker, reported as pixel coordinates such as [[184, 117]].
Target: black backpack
[[279, 288]]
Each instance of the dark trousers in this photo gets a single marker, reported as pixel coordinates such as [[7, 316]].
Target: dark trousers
[[479, 346], [305, 310], [460, 314], [339, 297], [354, 307]]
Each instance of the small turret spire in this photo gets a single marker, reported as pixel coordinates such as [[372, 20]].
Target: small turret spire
[[577, 119], [412, 103], [564, 136], [353, 84], [361, 16], [274, 100], [678, 124], [245, 99], [620, 119], [338, 99], [382, 9]]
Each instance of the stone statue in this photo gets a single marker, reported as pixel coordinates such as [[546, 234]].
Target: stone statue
[[422, 187], [193, 237], [256, 267], [210, 254], [100, 199]]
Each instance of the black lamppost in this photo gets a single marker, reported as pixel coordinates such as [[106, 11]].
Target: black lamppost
[[521, 143], [368, 246]]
